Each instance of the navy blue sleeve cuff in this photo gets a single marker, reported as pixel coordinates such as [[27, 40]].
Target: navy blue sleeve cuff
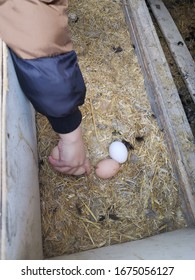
[[66, 124]]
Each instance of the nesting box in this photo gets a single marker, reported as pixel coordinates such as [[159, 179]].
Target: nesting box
[[21, 236]]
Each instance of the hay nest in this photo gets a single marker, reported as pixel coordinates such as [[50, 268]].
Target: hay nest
[[81, 213]]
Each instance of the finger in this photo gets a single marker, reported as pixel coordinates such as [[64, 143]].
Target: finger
[[80, 171], [87, 166], [65, 170], [61, 163], [56, 162], [72, 171]]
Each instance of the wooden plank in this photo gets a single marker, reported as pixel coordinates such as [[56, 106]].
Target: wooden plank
[[165, 101], [20, 219], [1, 88], [3, 150], [176, 44]]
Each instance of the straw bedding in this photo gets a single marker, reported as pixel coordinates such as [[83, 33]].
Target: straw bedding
[[81, 213]]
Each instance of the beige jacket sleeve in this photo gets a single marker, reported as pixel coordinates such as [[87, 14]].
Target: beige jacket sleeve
[[35, 28]]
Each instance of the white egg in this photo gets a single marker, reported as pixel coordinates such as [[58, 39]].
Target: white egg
[[118, 151]]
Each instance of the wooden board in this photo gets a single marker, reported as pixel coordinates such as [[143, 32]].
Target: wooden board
[[2, 149], [0, 139], [20, 217], [176, 44], [165, 101]]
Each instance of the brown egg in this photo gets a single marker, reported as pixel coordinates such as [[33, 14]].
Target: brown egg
[[107, 168]]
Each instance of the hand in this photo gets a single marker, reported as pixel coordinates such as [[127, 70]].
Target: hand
[[69, 156]]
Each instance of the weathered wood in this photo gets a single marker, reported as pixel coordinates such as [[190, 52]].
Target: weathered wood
[[165, 101], [176, 44], [20, 219], [0, 134], [2, 147]]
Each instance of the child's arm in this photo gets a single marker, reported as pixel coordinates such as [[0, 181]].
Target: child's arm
[[46, 65]]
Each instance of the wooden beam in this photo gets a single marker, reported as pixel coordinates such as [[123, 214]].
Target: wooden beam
[[1, 88], [176, 44], [165, 101]]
